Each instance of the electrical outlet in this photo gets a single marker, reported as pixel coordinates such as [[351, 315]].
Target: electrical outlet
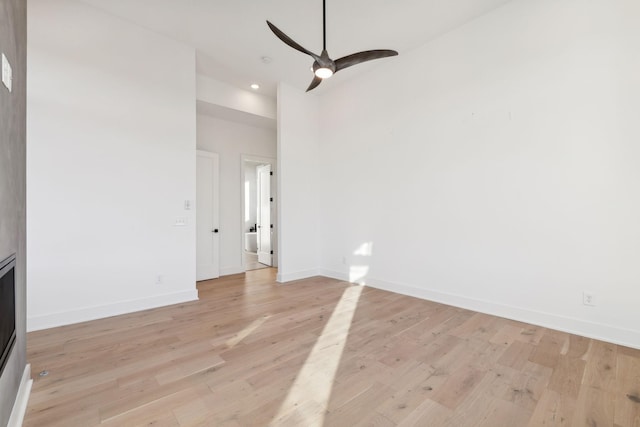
[[159, 279], [588, 298]]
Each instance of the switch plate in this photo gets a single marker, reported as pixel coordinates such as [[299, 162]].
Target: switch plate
[[7, 73]]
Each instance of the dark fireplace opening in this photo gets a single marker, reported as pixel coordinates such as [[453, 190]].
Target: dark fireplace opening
[[7, 308]]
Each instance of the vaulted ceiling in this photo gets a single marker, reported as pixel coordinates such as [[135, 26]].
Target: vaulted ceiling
[[231, 36]]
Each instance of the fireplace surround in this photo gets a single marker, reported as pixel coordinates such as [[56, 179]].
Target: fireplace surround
[[7, 309]]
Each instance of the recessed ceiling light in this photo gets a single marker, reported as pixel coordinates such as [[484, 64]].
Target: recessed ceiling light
[[255, 86]]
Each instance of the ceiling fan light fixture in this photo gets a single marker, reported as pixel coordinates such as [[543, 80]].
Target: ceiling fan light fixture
[[323, 66], [323, 72]]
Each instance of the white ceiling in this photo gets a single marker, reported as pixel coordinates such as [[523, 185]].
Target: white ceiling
[[231, 36]]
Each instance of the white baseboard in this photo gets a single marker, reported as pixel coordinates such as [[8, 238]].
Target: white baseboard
[[36, 323], [332, 274], [296, 275], [599, 331], [20, 406], [227, 271]]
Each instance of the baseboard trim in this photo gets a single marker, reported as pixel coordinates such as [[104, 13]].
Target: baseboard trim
[[20, 406], [296, 275], [228, 271], [599, 331], [332, 274], [53, 320]]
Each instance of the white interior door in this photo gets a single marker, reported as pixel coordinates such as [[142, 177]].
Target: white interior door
[[207, 216], [264, 214]]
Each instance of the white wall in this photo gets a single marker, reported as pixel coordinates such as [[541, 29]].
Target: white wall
[[225, 95], [496, 168], [231, 140], [298, 184], [111, 160]]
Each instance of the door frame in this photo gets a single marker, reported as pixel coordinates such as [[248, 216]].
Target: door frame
[[274, 212]]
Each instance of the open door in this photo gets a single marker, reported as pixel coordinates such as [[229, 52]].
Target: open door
[[207, 216], [264, 215]]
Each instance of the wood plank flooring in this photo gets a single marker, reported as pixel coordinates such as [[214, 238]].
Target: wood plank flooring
[[320, 352], [251, 261]]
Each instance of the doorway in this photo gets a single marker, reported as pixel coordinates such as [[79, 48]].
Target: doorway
[[258, 212]]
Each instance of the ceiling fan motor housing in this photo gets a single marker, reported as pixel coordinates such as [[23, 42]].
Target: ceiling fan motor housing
[[324, 62], [323, 66]]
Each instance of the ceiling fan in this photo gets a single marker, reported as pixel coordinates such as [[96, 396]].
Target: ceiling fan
[[323, 66]]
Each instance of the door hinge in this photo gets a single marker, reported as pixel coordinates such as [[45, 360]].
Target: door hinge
[[271, 225], [271, 252], [271, 199], [271, 173]]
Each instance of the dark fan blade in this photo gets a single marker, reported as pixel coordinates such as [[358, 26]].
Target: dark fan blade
[[285, 38], [357, 58], [314, 83]]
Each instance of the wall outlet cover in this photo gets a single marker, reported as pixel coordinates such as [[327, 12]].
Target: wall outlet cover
[[588, 298]]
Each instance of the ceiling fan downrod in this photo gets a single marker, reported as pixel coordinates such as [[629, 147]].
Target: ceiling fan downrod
[[323, 66]]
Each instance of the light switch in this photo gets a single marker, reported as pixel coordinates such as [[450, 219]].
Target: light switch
[[7, 73], [187, 205]]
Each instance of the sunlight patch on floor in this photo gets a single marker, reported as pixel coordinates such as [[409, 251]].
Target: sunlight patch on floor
[[313, 385], [248, 330]]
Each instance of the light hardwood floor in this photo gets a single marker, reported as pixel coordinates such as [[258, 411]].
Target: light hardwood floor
[[251, 262], [319, 352]]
